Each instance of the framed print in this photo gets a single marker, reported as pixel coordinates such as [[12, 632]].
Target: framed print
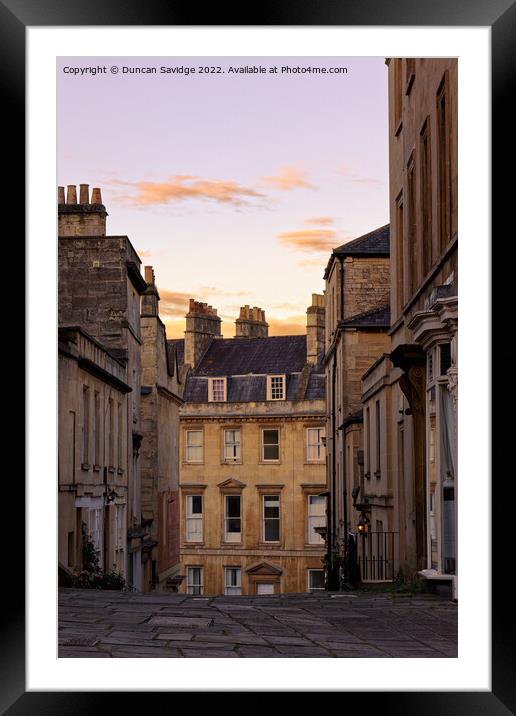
[[278, 152]]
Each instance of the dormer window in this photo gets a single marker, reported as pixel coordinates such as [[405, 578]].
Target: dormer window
[[276, 387], [217, 390]]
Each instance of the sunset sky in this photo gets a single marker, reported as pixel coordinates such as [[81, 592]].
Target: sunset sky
[[234, 187]]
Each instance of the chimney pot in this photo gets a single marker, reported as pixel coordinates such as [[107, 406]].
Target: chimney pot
[[71, 194], [84, 194], [60, 195], [96, 196]]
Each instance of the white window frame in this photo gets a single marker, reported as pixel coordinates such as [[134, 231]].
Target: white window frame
[[232, 589], [188, 459], [312, 519], [278, 519], [310, 588], [191, 586], [272, 389], [270, 459], [319, 445], [237, 446], [231, 536], [193, 519], [211, 390]]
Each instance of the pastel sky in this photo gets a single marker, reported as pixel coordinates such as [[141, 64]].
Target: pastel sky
[[234, 187]]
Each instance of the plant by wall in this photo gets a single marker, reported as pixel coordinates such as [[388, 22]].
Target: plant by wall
[[91, 576]]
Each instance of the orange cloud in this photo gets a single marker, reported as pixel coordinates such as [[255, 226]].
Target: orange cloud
[[320, 221], [291, 326], [289, 178], [183, 187], [309, 239], [173, 302]]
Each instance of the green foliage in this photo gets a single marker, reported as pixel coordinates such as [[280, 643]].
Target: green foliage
[[91, 576]]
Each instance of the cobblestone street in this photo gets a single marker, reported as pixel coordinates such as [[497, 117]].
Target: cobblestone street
[[355, 624]]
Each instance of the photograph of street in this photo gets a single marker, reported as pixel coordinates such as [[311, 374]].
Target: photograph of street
[[257, 357]]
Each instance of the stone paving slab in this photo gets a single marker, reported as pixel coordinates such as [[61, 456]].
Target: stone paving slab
[[109, 624]]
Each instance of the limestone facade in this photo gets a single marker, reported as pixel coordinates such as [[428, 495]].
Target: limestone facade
[[422, 372], [252, 467], [358, 318], [118, 449]]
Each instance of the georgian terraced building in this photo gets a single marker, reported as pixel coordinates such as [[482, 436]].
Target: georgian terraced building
[[119, 400], [252, 455]]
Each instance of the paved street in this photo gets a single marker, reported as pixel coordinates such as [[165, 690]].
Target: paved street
[[358, 624]]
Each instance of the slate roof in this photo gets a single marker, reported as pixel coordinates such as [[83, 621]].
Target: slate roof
[[240, 356], [375, 318], [374, 243], [247, 362]]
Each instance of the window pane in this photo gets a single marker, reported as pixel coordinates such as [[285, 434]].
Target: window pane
[[233, 524], [271, 506], [271, 452], [316, 577], [196, 504], [317, 504], [233, 506], [272, 530], [194, 437], [270, 437]]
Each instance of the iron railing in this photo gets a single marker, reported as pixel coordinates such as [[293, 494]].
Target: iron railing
[[375, 555]]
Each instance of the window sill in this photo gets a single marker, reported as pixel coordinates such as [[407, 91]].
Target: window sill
[[269, 462], [96, 468], [309, 545], [85, 466], [187, 463], [270, 545], [231, 462], [193, 544]]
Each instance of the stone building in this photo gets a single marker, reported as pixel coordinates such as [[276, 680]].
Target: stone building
[[420, 372], [252, 462], [118, 386], [161, 386], [357, 322]]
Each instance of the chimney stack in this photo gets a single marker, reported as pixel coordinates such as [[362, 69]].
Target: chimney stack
[[315, 328], [150, 297], [80, 218], [202, 327], [251, 323]]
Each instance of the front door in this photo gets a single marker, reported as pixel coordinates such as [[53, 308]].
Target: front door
[[264, 588]]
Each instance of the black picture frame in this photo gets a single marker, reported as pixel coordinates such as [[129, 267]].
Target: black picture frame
[[500, 15]]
